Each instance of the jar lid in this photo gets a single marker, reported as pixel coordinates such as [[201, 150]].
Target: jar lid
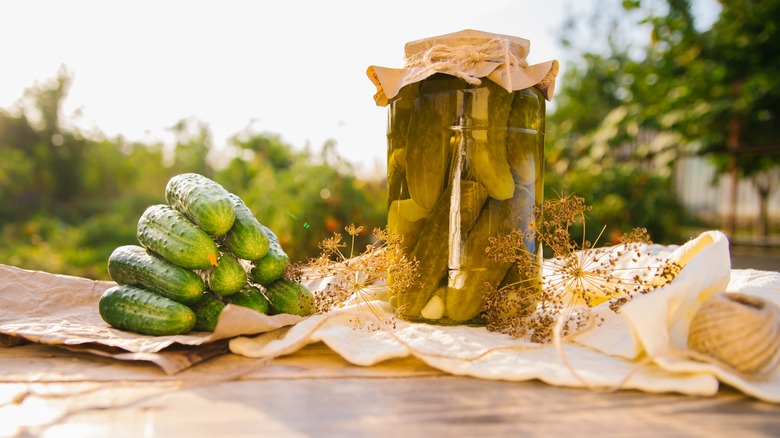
[[470, 55]]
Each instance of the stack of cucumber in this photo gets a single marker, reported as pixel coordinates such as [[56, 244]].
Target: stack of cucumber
[[198, 252]]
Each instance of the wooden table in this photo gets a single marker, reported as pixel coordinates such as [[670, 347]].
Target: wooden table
[[49, 391]]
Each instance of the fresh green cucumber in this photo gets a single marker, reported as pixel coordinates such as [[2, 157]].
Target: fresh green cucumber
[[203, 200], [252, 297], [228, 277], [170, 234], [270, 267], [141, 311], [246, 238], [207, 312], [290, 297], [134, 265]]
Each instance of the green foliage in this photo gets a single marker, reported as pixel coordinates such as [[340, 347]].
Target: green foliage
[[620, 118], [192, 148], [684, 90], [67, 201], [622, 197], [303, 198]]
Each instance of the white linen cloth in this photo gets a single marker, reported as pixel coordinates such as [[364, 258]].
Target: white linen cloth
[[642, 347]]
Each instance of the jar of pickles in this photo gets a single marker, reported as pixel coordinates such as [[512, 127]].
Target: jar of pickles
[[464, 165]]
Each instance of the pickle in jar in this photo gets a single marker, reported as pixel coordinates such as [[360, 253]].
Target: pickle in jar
[[432, 246], [429, 138], [487, 111], [397, 137], [525, 136], [476, 267]]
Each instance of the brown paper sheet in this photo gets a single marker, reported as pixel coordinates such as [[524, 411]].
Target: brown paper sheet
[[172, 360], [62, 310]]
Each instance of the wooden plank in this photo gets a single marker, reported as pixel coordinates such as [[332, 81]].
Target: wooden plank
[[314, 392]]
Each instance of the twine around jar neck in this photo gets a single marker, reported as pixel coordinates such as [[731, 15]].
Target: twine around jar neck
[[461, 60]]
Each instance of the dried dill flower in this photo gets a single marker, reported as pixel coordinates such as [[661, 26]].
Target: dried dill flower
[[576, 278], [350, 275], [538, 298]]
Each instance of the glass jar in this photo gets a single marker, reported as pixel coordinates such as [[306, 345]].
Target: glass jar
[[464, 165]]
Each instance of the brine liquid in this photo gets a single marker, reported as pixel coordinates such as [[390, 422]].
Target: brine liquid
[[465, 164]]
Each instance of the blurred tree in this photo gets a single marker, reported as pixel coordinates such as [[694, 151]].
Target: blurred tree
[[61, 152], [594, 139], [723, 88], [683, 91], [66, 201], [44, 161], [303, 198], [193, 145], [21, 177], [622, 197]]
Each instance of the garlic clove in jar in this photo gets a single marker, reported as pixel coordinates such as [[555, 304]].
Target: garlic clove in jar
[[739, 330]]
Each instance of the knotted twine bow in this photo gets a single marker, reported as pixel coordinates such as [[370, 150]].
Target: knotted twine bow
[[470, 55], [461, 61]]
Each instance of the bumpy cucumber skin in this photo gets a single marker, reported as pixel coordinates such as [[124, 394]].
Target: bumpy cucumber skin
[[270, 267], [207, 311], [203, 200], [290, 297], [141, 311], [246, 238], [134, 265], [228, 277], [251, 297], [175, 238]]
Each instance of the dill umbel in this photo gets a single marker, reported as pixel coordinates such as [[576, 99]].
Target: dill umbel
[[382, 265], [559, 291], [539, 299]]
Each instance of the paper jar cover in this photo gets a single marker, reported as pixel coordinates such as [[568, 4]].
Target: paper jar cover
[[471, 55]]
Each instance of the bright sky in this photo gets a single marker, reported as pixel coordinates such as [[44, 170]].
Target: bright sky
[[295, 68]]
